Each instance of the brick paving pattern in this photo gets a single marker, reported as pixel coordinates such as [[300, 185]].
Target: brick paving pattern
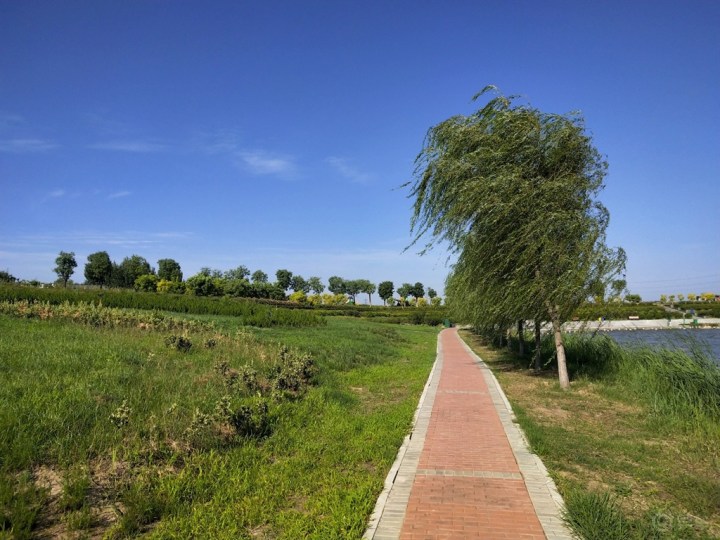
[[464, 473]]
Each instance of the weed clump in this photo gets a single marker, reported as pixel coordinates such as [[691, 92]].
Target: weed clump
[[595, 516], [178, 343], [121, 416], [293, 373], [252, 421]]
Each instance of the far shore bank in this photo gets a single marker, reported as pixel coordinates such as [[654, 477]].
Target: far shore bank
[[643, 324]]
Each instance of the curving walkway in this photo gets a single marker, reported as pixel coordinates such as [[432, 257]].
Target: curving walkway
[[465, 471]]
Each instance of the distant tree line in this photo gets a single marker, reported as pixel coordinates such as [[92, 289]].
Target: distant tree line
[[135, 272], [691, 297]]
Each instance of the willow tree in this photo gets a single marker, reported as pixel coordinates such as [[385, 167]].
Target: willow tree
[[513, 191]]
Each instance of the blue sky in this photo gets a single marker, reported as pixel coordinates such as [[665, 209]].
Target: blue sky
[[276, 134]]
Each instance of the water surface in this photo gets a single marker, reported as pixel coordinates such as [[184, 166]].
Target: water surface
[[708, 339]]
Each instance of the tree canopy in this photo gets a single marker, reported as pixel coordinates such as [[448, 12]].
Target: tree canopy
[[66, 264], [241, 272], [386, 290], [131, 268], [300, 284], [513, 190], [316, 284], [336, 285], [98, 268], [258, 276], [169, 269], [404, 291], [284, 279], [7, 277]]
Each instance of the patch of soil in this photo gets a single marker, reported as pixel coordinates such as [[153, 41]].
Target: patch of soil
[[106, 478]]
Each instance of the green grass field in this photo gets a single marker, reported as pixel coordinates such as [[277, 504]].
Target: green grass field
[[122, 432]]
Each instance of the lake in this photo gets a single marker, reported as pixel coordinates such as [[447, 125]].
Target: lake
[[708, 338]]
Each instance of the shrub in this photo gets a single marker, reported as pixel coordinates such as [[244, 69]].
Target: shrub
[[174, 287], [298, 297], [178, 343], [6, 277], [204, 285], [146, 283], [239, 288], [252, 420], [293, 372]]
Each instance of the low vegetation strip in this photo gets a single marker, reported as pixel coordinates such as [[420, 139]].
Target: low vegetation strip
[[634, 446], [118, 431], [620, 311], [248, 312]]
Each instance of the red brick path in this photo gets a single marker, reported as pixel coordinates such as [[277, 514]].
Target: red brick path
[[468, 484]]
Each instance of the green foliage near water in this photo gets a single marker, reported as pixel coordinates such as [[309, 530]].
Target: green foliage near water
[[245, 433], [703, 309], [677, 384], [248, 313]]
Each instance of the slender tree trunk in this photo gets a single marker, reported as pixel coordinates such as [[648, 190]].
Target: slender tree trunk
[[538, 338], [560, 349], [521, 338]]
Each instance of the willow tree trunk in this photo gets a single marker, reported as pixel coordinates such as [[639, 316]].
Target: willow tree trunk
[[521, 339], [538, 339], [560, 350]]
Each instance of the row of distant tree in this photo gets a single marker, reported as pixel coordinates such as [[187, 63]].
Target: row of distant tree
[[137, 273], [691, 297]]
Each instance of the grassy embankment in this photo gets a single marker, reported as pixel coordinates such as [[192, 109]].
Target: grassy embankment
[[110, 428], [634, 446], [255, 312]]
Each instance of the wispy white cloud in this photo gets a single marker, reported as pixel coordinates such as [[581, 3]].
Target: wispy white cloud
[[55, 194], [119, 194], [139, 146], [109, 127], [229, 143], [347, 171], [263, 163], [224, 141], [93, 239], [21, 146]]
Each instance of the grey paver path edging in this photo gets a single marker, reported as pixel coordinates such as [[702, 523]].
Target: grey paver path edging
[[389, 515]]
